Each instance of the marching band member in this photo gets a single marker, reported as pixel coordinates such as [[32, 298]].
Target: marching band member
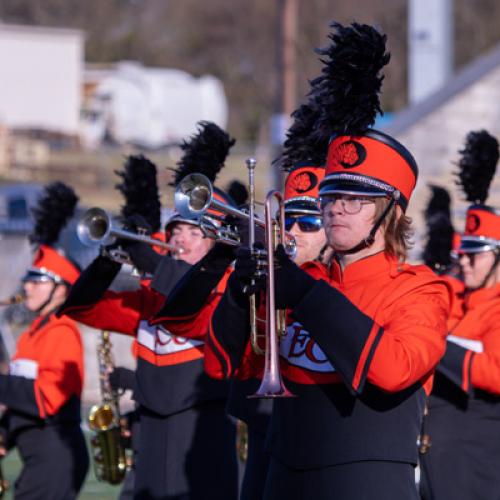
[[304, 223], [43, 389], [181, 409], [463, 418], [366, 331]]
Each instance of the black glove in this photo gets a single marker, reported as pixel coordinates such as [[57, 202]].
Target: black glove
[[291, 282], [251, 269], [249, 275], [241, 226], [193, 289], [142, 255], [122, 378]]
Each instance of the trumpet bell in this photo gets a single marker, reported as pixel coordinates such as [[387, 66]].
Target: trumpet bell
[[193, 196], [94, 226]]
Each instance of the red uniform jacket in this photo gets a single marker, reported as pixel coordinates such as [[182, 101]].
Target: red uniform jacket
[[46, 373], [472, 359], [359, 352], [169, 374]]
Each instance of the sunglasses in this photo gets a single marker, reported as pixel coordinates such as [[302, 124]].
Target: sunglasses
[[306, 223]]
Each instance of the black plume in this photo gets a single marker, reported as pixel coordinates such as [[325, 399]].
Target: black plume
[[238, 192], [440, 231], [55, 207], [204, 153], [139, 187], [300, 144], [477, 165], [350, 82]]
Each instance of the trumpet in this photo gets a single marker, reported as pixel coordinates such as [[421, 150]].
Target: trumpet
[[95, 227], [194, 196], [19, 298]]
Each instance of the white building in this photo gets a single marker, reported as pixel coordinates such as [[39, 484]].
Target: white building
[[41, 78], [150, 107]]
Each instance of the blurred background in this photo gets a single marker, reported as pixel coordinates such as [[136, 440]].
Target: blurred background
[[85, 83]]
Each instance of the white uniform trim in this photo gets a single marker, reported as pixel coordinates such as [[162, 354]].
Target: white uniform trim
[[472, 345], [26, 368], [299, 349], [160, 341]]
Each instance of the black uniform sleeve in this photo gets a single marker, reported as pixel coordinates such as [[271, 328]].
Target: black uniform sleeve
[[230, 328], [167, 273], [143, 257], [341, 330], [91, 284], [18, 394], [192, 291], [456, 365]]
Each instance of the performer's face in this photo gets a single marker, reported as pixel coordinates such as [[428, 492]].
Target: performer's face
[[475, 268], [191, 239], [345, 230], [39, 292], [309, 243]]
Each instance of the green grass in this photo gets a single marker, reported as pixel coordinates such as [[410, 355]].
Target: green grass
[[92, 489]]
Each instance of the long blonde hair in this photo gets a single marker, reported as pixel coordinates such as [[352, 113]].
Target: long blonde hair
[[398, 231]]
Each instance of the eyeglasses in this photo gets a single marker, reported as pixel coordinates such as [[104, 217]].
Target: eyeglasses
[[350, 205], [307, 223]]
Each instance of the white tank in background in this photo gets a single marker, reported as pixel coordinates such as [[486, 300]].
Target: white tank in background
[[149, 107]]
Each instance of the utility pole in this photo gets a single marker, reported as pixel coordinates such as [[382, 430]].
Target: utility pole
[[286, 85]]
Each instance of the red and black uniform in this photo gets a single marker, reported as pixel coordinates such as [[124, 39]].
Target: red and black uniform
[[359, 353], [42, 394], [181, 408], [464, 408]]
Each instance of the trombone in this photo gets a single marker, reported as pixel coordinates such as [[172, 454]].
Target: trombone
[[95, 227], [272, 385]]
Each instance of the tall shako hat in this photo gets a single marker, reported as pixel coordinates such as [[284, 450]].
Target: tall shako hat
[[303, 158], [361, 161], [139, 187], [54, 209], [440, 232], [477, 167], [204, 153]]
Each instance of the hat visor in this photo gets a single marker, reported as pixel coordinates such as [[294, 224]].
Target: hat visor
[[358, 185], [477, 244], [179, 219], [350, 187], [37, 275], [301, 207]]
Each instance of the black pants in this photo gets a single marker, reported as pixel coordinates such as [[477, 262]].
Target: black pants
[[55, 462], [256, 468], [187, 456], [370, 480]]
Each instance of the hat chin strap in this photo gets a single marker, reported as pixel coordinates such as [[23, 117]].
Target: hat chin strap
[[369, 240], [48, 301], [490, 272]]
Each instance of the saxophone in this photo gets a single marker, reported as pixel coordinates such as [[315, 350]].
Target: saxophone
[[108, 450]]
